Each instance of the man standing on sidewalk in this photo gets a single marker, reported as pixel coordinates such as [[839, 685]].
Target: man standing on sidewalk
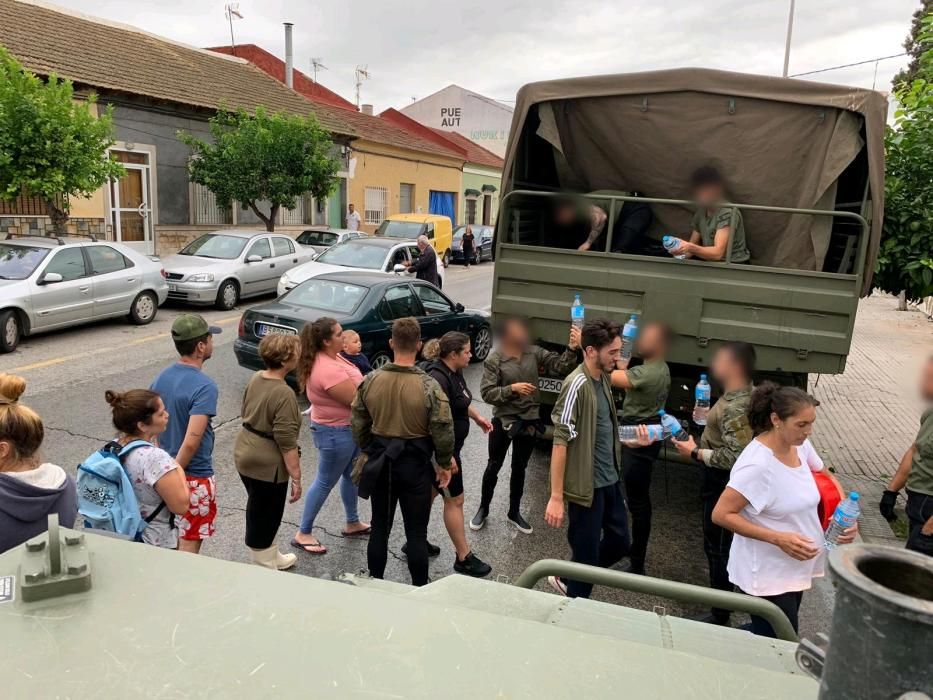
[[586, 459], [399, 417], [353, 219], [190, 397]]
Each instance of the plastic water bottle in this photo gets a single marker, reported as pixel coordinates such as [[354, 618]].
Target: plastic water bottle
[[670, 244], [629, 331], [577, 312], [627, 433], [701, 407], [672, 426], [846, 516]]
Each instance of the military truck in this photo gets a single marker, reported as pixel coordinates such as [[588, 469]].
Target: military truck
[[805, 166]]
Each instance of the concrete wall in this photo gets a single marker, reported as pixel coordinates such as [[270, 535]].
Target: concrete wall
[[377, 165], [454, 109], [474, 177], [171, 239]]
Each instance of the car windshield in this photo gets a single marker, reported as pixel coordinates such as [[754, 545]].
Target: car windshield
[[400, 229], [216, 246], [338, 298], [17, 262], [317, 238], [354, 254]]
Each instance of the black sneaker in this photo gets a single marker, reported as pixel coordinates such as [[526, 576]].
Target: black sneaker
[[711, 618], [472, 566], [520, 523], [479, 519], [433, 549]]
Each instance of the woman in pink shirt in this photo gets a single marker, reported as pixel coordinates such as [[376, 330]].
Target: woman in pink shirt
[[330, 382]]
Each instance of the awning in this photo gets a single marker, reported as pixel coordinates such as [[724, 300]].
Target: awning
[[489, 188], [472, 193]]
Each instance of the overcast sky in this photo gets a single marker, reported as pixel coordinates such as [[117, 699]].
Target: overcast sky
[[416, 47]]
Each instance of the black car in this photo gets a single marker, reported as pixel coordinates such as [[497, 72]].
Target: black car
[[366, 302], [482, 244]]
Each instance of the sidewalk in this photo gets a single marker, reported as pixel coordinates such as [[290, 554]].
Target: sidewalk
[[870, 414]]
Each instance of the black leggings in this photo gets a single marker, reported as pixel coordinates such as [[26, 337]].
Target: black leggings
[[408, 483], [637, 463], [522, 448], [789, 603], [717, 541], [265, 503]]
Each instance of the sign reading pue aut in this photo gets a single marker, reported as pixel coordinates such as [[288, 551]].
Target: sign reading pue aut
[[450, 116]]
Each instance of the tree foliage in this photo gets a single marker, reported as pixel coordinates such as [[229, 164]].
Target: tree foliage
[[913, 45], [263, 159], [905, 261], [51, 146]]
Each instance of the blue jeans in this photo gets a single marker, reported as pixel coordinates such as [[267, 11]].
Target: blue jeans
[[336, 452]]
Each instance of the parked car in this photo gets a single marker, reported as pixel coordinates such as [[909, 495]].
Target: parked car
[[367, 302], [482, 245], [48, 283], [437, 228], [320, 238], [369, 253], [222, 267]]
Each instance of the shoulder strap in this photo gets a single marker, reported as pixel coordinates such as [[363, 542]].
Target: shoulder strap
[[122, 454]]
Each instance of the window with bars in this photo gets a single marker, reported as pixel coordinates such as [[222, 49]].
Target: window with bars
[[296, 216], [26, 205], [374, 209], [205, 209]]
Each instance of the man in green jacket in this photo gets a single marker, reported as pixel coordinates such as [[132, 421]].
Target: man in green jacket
[[586, 459], [510, 386]]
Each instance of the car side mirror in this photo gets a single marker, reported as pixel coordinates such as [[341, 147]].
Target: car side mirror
[[459, 308], [254, 258], [51, 278], [398, 268]]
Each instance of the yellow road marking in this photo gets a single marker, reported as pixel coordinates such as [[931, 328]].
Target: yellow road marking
[[39, 365]]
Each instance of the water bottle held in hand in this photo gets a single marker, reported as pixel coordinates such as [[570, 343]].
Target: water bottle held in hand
[[629, 332], [671, 243], [701, 407], [628, 433], [672, 426], [577, 312], [846, 516]]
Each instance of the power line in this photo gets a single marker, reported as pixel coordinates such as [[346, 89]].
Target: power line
[[849, 65]]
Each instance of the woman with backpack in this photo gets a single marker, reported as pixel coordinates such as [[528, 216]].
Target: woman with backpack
[[30, 490], [158, 481]]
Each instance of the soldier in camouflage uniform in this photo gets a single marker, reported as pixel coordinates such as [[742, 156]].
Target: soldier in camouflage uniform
[[727, 433], [399, 417]]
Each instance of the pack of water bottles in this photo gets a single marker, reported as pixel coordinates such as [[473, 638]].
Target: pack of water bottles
[[669, 427]]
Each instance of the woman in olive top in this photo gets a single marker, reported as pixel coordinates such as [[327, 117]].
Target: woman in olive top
[[916, 471], [266, 451], [646, 389]]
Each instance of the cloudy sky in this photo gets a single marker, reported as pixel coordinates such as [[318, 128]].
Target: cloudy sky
[[415, 47]]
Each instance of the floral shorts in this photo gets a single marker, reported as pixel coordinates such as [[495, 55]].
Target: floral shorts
[[198, 522]]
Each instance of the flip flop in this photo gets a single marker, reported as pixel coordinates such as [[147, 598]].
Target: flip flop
[[322, 549], [356, 533]]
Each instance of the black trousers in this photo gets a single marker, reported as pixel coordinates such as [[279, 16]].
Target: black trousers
[[629, 233], [919, 510], [716, 540], [265, 504], [598, 535], [522, 448], [407, 482], [637, 464], [789, 603]]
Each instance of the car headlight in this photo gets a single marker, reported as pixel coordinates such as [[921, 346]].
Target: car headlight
[[202, 277], [285, 279]]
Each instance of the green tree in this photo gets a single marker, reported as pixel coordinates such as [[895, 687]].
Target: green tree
[[905, 261], [52, 146], [913, 45], [263, 158]]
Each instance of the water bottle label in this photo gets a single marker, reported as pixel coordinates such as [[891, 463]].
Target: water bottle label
[[702, 394]]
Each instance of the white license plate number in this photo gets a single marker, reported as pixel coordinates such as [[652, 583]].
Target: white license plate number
[[264, 329], [552, 385]]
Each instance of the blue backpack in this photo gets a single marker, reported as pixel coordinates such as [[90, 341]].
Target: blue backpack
[[106, 498]]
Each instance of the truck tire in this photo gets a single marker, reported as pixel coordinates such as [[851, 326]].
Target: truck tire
[[11, 330]]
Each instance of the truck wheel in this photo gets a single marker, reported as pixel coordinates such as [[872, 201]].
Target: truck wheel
[[227, 296], [380, 359], [10, 330], [144, 308]]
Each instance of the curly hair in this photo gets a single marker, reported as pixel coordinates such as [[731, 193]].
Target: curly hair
[[313, 336]]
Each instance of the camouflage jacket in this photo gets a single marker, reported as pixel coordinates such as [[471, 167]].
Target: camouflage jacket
[[403, 402], [727, 430]]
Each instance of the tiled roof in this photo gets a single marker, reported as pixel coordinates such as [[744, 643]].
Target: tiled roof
[[116, 57], [474, 152]]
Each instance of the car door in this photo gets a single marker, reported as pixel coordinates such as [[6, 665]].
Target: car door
[[398, 255], [68, 301], [440, 314], [485, 243], [398, 301], [115, 280], [259, 276], [285, 257]]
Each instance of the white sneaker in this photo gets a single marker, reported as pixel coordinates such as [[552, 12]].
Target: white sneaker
[[557, 584]]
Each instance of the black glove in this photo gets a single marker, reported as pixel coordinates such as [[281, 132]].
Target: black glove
[[886, 506]]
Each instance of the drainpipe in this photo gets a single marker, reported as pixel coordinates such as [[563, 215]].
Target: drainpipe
[[289, 58]]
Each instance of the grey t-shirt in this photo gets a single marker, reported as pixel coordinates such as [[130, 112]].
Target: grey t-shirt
[[604, 468], [145, 466]]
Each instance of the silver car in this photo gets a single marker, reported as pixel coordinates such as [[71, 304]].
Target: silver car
[[320, 238], [222, 267], [49, 283]]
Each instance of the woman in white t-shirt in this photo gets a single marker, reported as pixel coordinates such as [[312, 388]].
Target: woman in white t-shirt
[[771, 504], [139, 414]]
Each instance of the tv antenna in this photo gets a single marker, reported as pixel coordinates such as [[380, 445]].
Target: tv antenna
[[361, 74], [231, 10], [316, 65]]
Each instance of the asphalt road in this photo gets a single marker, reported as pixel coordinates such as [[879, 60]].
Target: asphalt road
[[68, 372]]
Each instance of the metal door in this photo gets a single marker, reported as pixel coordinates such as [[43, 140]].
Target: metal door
[[130, 211], [68, 301], [258, 276], [116, 281]]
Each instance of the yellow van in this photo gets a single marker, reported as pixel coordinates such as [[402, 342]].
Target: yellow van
[[437, 228]]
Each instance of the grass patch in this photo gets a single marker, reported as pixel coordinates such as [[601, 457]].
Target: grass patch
[[901, 526]]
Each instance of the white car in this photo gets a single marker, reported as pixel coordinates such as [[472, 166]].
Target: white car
[[370, 254], [320, 238]]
